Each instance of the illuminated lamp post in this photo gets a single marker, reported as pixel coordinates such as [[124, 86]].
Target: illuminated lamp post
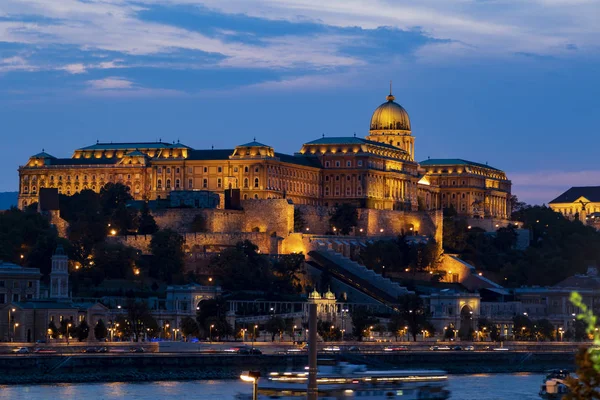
[[210, 332], [254, 335], [253, 377]]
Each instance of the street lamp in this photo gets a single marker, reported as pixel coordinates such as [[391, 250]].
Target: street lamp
[[254, 335], [15, 330], [243, 330], [10, 318], [68, 326], [561, 331], [166, 329], [252, 376], [210, 332]]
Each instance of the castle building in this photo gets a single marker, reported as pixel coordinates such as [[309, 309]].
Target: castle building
[[378, 172]]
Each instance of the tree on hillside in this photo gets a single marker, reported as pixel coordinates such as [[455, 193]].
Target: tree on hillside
[[167, 251], [113, 195], [243, 268], [299, 222], [287, 271], [147, 224], [344, 218], [114, 260]]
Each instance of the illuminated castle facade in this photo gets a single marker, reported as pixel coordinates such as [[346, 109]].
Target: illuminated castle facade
[[378, 172]]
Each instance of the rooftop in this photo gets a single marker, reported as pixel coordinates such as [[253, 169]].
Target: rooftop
[[134, 146], [454, 161], [217, 154], [351, 140], [592, 193]]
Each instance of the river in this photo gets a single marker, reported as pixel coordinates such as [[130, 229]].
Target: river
[[464, 387]]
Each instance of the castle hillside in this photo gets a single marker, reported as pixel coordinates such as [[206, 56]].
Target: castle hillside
[[378, 172]]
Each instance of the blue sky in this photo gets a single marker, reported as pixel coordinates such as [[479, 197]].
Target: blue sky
[[507, 82]]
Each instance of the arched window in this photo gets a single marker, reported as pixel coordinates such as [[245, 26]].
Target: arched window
[[205, 183], [255, 182], [246, 182], [190, 183], [326, 190], [256, 196], [246, 169], [177, 183], [168, 184], [159, 184]]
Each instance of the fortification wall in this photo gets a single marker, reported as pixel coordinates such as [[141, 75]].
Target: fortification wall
[[271, 216], [377, 222], [200, 242]]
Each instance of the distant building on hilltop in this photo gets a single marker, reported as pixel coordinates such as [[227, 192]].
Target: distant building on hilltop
[[378, 172], [582, 202]]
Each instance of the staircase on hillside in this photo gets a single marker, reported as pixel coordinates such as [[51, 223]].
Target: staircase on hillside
[[360, 277]]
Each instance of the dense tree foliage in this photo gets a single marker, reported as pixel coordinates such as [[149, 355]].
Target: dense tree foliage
[[299, 221], [82, 331], [328, 331], [413, 313], [558, 249], [344, 218], [362, 320], [100, 330], [167, 250], [398, 255], [213, 312], [147, 224], [189, 327], [243, 268], [26, 238]]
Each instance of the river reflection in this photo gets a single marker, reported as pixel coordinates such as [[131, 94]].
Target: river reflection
[[463, 387]]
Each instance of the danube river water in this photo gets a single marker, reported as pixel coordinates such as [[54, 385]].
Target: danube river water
[[464, 387]]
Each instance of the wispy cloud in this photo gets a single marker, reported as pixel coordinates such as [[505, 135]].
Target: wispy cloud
[[115, 86], [113, 82]]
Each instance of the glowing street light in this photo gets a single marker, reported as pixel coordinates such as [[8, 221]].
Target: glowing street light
[[253, 377], [210, 332], [254, 334]]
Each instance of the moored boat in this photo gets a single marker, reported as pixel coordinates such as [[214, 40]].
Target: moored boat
[[344, 381], [554, 386]]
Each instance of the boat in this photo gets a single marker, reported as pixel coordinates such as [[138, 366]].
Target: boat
[[554, 386], [343, 381]]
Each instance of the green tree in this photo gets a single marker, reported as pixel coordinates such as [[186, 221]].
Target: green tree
[[147, 224], [189, 327], [396, 325], [522, 327], [413, 312], [275, 326], [213, 312], [114, 260], [544, 330], [362, 320], [100, 331], [328, 331], [299, 221], [243, 268], [344, 218], [139, 319], [113, 195], [82, 331], [167, 251], [54, 332]]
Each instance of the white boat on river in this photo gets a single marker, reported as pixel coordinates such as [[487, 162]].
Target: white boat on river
[[345, 381]]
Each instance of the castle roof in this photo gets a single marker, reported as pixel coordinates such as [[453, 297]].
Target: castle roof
[[217, 154], [454, 161], [134, 146], [591, 193]]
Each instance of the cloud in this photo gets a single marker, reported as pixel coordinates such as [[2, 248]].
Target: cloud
[[543, 186], [115, 86], [15, 63], [75, 69], [113, 82]]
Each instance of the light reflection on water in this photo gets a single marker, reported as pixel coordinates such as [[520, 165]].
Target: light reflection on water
[[521, 386]]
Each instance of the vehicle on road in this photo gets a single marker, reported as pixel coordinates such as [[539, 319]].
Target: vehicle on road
[[331, 349], [501, 349], [395, 348], [457, 348], [469, 348], [20, 350], [137, 350], [354, 349], [439, 348], [44, 351]]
